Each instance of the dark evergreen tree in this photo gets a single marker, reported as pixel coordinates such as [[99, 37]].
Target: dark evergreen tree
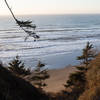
[[17, 67], [40, 75], [87, 55], [79, 76], [77, 80]]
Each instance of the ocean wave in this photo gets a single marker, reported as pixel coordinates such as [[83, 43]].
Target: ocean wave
[[67, 29]]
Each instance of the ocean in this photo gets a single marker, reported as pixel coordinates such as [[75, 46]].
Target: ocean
[[62, 38]]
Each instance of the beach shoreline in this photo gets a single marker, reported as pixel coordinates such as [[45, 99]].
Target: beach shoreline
[[58, 78]]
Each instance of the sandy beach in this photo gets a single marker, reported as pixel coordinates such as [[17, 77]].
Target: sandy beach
[[58, 78]]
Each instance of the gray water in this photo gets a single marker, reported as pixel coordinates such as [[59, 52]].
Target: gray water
[[62, 39]]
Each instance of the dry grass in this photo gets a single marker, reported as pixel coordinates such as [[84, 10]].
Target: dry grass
[[93, 81]]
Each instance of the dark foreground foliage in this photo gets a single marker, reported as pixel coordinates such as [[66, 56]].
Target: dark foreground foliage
[[18, 68], [15, 88], [40, 75]]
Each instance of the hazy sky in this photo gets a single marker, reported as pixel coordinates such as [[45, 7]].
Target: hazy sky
[[50, 6]]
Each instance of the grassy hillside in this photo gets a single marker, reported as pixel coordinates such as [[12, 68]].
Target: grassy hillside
[[92, 91], [15, 88]]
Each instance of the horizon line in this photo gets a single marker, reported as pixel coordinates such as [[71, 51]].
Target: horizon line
[[51, 14]]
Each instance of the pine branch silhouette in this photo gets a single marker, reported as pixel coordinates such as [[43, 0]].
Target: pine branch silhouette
[[26, 26]]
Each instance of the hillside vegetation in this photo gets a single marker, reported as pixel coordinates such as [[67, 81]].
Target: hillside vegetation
[[92, 90], [15, 88]]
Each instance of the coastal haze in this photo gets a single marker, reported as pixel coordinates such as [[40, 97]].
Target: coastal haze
[[62, 39], [22, 7]]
